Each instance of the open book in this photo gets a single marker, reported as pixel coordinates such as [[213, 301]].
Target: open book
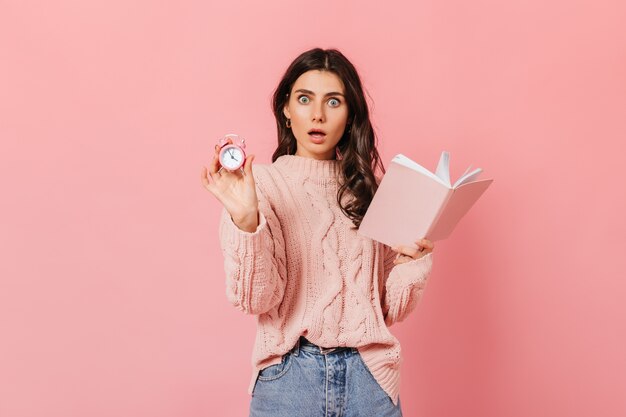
[[412, 203]]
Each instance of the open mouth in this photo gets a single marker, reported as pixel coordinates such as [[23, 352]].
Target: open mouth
[[317, 132], [317, 135]]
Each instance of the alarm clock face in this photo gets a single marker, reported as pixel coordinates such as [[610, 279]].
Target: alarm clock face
[[232, 157]]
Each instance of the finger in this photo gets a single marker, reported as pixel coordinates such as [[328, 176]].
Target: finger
[[406, 250], [247, 167], [425, 244], [214, 167], [205, 179], [401, 259]]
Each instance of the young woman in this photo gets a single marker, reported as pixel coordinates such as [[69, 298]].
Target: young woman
[[324, 296]]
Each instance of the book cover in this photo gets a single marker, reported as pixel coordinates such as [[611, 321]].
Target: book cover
[[413, 203]]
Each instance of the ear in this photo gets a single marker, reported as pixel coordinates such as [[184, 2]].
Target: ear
[[286, 111]]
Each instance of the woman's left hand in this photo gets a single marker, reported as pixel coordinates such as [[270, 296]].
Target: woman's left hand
[[408, 253]]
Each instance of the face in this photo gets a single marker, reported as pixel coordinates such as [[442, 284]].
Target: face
[[316, 101]]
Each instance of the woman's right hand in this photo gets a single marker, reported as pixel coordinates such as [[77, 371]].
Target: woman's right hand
[[235, 190]]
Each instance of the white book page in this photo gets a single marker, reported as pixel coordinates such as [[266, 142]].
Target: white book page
[[409, 163], [443, 168], [466, 171], [442, 173], [465, 178]]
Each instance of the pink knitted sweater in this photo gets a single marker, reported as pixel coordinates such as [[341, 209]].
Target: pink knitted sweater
[[305, 272]]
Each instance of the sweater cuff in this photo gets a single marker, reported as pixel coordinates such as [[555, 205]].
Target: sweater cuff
[[412, 272], [241, 240]]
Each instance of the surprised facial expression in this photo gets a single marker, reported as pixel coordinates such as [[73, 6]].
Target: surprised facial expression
[[317, 103]]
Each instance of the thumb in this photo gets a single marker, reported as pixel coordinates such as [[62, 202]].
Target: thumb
[[247, 167]]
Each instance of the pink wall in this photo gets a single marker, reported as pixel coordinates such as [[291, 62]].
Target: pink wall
[[112, 299]]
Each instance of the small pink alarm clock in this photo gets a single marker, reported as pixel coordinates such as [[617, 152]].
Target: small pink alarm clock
[[232, 156]]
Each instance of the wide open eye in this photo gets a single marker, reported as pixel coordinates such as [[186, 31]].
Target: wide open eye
[[303, 97], [336, 101]]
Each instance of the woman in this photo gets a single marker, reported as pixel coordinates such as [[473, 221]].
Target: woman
[[324, 295]]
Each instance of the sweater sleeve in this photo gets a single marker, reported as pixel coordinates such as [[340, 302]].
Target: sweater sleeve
[[404, 284], [254, 262]]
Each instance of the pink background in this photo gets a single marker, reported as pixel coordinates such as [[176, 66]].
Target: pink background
[[112, 296]]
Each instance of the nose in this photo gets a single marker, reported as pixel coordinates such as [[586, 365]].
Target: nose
[[318, 112]]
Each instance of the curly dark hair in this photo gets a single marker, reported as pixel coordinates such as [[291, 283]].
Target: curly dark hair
[[356, 149]]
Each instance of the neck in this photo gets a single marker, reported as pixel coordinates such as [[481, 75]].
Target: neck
[[332, 154], [303, 166]]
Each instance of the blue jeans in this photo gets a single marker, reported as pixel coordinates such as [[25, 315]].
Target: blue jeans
[[314, 382]]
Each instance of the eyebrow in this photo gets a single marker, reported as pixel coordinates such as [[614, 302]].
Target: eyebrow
[[333, 93]]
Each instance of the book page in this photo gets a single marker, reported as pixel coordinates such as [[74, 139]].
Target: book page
[[443, 168], [409, 163], [466, 171], [465, 178]]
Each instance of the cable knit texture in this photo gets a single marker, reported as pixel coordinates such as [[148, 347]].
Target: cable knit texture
[[304, 271]]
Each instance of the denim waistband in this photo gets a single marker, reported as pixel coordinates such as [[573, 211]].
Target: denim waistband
[[304, 344]]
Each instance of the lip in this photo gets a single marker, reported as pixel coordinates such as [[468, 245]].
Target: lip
[[317, 131], [317, 139]]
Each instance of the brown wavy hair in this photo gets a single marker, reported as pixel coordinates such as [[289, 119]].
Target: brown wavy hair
[[356, 149]]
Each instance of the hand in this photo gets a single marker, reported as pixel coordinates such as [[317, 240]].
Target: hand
[[409, 253], [235, 190]]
